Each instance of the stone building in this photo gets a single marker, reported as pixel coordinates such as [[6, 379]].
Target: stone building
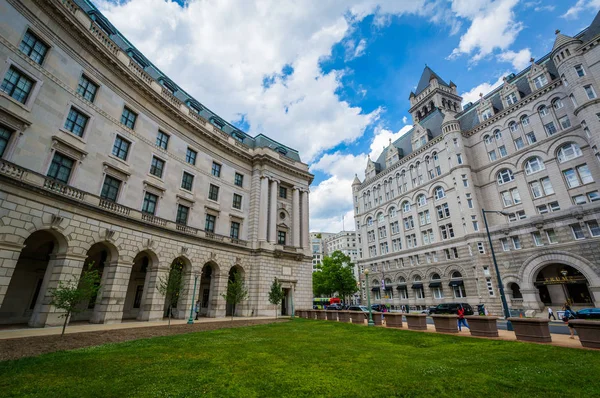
[[105, 160], [317, 248], [345, 241], [528, 149]]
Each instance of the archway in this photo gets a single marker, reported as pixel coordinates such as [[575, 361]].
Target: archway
[[206, 289], [29, 282], [229, 310], [560, 284], [132, 308], [176, 301]]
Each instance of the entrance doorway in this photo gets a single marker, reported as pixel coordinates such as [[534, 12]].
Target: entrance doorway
[[560, 284], [285, 304]]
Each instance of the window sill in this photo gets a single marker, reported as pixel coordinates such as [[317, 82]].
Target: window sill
[[72, 135], [118, 159], [25, 107]]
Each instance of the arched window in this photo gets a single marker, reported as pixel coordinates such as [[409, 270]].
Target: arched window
[[525, 120], [422, 200], [405, 206], [512, 126], [569, 151], [380, 217], [488, 139], [557, 103], [435, 156], [370, 221], [534, 165], [417, 278], [497, 134], [438, 193], [456, 275], [435, 277], [393, 212], [543, 111], [401, 280], [504, 176]]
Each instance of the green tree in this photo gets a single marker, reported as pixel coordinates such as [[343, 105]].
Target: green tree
[[335, 276], [276, 294], [236, 291], [171, 286], [68, 295]]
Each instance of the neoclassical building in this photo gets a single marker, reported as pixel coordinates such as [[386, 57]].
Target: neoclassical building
[[527, 153], [104, 160]]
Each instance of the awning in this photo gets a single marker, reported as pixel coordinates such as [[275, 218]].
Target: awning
[[435, 284], [417, 285], [375, 289], [402, 287], [388, 288], [456, 283]]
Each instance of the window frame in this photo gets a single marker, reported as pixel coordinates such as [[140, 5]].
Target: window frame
[[38, 39]]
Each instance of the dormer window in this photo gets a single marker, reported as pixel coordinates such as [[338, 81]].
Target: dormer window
[[217, 123], [238, 136], [281, 150], [486, 114], [194, 106], [168, 85], [540, 81], [137, 57], [511, 99]]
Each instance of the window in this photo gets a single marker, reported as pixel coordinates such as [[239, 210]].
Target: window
[[239, 179], [516, 242], [589, 90], [405, 207], [550, 128], [121, 148], [551, 235], [492, 155], [557, 103], [190, 156], [580, 71], [543, 111], [537, 238], [579, 199], [110, 189], [504, 176], [162, 140], [579, 176], [182, 214], [593, 196], [511, 99], [488, 139], [564, 121], [393, 213], [469, 200], [234, 230], [534, 165], [283, 192], [459, 159], [209, 224], [443, 211], [497, 134], [17, 85], [76, 122], [569, 151], [564, 79], [459, 291], [577, 232], [237, 201], [481, 247], [4, 139], [149, 205], [512, 126], [530, 138], [281, 237], [502, 151], [525, 120], [490, 287], [33, 47], [128, 118], [439, 193], [504, 243], [157, 167], [213, 192], [187, 181], [573, 100], [86, 88], [61, 168], [446, 231], [593, 228], [519, 143], [540, 81], [216, 169], [510, 197], [486, 114]]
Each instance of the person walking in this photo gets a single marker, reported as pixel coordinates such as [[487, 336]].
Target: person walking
[[461, 319], [568, 315], [551, 313], [197, 309]]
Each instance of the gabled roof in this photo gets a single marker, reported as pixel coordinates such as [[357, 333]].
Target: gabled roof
[[562, 39], [426, 77]]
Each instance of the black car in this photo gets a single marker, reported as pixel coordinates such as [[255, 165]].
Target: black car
[[335, 307], [589, 313], [451, 308]]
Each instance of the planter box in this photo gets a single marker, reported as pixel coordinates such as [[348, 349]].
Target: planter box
[[393, 320], [331, 315], [588, 332], [483, 326], [344, 316], [532, 329], [416, 321], [300, 313], [310, 314], [321, 315], [377, 318], [445, 323], [357, 317]]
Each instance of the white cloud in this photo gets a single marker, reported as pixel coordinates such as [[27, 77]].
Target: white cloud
[[404, 119], [473, 94], [520, 60], [382, 140], [580, 6]]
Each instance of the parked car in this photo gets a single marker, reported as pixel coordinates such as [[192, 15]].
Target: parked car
[[358, 308], [378, 307], [427, 311], [335, 307], [589, 313], [451, 308]]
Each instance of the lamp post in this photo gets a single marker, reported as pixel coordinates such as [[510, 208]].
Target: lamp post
[[371, 323], [191, 320], [500, 284]]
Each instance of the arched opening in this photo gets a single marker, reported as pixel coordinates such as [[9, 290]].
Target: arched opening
[[132, 308], [229, 309], [457, 284], [29, 282], [515, 292], [560, 284], [174, 301], [206, 289]]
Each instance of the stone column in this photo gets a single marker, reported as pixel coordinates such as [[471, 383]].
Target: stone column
[[273, 212], [595, 293], [152, 308], [304, 239], [263, 209], [530, 299], [61, 268], [9, 256], [217, 302], [186, 301], [296, 217], [111, 297]]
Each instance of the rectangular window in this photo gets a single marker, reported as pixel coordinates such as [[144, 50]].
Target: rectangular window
[[481, 247], [4, 139], [540, 81], [237, 201], [530, 138], [492, 155], [564, 121], [593, 228], [190, 156], [536, 189], [537, 238], [550, 128], [110, 189], [149, 205], [187, 181], [239, 179], [580, 71], [17, 85], [209, 224], [76, 122], [579, 200], [584, 174], [506, 199], [234, 230], [551, 236], [33, 47], [577, 231], [502, 150], [86, 88], [589, 90], [459, 159], [121, 148], [571, 178], [128, 118], [547, 185], [592, 196], [213, 192], [504, 243], [283, 192], [162, 140], [61, 168], [157, 167], [519, 143], [216, 169], [490, 287], [516, 242], [281, 237], [511, 99], [182, 214]]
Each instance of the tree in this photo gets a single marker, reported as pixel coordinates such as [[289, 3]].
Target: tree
[[68, 295], [335, 275], [276, 294], [171, 286], [236, 291]]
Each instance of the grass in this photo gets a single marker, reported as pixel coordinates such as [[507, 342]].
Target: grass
[[307, 358]]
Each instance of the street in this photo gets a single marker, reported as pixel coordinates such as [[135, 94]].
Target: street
[[555, 327]]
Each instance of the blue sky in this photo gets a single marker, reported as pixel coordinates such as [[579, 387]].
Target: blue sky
[[332, 78]]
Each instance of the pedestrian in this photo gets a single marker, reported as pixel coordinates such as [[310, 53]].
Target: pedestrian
[[197, 309], [551, 313], [461, 319], [568, 315]]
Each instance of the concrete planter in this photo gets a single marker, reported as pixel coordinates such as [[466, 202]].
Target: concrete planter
[[357, 317], [300, 314], [378, 318], [310, 314], [321, 315], [483, 326], [344, 316], [393, 320], [331, 315], [445, 323], [416, 321], [532, 329], [588, 332]]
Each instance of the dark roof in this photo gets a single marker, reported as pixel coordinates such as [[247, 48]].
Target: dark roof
[[592, 30], [426, 77]]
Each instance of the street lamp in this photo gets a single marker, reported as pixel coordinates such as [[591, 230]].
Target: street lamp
[[500, 284], [191, 320], [371, 323]]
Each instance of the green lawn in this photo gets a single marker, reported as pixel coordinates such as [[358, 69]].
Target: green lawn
[[307, 358]]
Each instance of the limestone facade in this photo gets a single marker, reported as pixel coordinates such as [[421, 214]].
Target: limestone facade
[[104, 160]]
